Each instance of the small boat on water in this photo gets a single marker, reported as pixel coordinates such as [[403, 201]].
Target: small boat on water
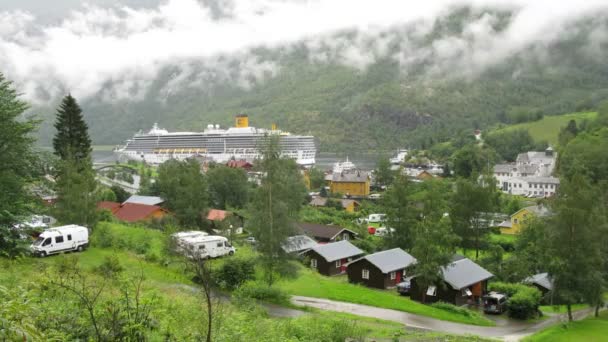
[[340, 167]]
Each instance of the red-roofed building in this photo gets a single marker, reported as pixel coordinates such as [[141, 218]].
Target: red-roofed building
[[133, 212], [107, 205], [239, 164], [217, 215]]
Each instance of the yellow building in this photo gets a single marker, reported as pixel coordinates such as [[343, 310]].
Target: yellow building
[[354, 184], [518, 219]]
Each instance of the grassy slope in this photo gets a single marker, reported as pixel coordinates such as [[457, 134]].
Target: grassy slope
[[587, 330], [547, 129], [172, 286], [312, 284]]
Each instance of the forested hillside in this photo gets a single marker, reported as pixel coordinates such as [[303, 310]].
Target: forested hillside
[[409, 95]]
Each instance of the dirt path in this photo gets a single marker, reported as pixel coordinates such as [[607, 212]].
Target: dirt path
[[508, 330]]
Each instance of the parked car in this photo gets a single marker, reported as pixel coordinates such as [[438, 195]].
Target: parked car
[[404, 287], [383, 231], [374, 196], [61, 239], [495, 303], [251, 240]]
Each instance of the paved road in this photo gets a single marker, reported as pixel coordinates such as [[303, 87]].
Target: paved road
[[508, 330]]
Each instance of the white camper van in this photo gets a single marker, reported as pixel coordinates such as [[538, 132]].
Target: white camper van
[[376, 218], [181, 238], [204, 247], [61, 239]]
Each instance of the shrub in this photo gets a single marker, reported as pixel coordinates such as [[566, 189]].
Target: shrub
[[524, 304], [110, 267], [234, 272], [261, 292], [103, 237], [523, 300]]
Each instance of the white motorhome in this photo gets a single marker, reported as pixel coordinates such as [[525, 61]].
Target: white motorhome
[[61, 239], [181, 238], [204, 247], [376, 218]]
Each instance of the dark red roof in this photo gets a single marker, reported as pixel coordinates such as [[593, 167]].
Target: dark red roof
[[111, 206], [239, 164], [132, 212]]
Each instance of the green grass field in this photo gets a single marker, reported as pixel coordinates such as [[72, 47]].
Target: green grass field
[[312, 284], [588, 330], [547, 129]]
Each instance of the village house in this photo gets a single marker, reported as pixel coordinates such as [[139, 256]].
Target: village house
[[352, 183], [147, 200], [463, 282], [133, 212], [217, 216], [514, 224], [530, 175], [381, 270], [348, 205], [544, 283], [325, 233], [298, 244], [331, 259]]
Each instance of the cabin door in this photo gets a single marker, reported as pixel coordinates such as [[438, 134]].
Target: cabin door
[[398, 278]]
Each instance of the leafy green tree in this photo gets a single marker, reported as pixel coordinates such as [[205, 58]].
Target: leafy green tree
[[274, 207], [228, 187], [576, 243], [586, 153], [401, 213], [471, 159], [120, 193], [184, 190], [72, 137], [383, 174], [434, 241], [509, 143], [472, 203], [17, 160], [317, 178]]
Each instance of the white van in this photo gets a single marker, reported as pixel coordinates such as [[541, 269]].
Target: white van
[[376, 218], [204, 247], [61, 239]]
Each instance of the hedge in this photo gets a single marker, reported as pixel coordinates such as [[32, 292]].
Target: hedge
[[523, 300]]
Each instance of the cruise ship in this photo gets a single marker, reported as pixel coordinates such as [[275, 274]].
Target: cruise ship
[[215, 144]]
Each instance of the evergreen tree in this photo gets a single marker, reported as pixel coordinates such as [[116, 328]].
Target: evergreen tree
[[274, 207], [17, 164], [75, 176], [72, 137], [76, 185]]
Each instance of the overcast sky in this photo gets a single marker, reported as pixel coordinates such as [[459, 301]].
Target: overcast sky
[[71, 44]]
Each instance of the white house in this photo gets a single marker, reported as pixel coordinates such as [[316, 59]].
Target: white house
[[530, 175]]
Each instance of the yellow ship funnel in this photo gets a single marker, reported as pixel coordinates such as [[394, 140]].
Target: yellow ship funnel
[[273, 127], [242, 120]]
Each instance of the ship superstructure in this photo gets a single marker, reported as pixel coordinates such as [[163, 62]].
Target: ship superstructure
[[241, 142]]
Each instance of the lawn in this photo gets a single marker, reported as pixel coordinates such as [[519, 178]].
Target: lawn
[[588, 330], [561, 308], [312, 284], [547, 129]]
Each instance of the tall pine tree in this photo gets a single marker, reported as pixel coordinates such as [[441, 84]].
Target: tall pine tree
[[72, 138], [75, 176]]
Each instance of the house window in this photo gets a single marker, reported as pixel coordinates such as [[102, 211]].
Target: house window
[[313, 263], [365, 273], [59, 239], [467, 293], [404, 273], [515, 221], [345, 236], [431, 291], [338, 263], [393, 275]]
